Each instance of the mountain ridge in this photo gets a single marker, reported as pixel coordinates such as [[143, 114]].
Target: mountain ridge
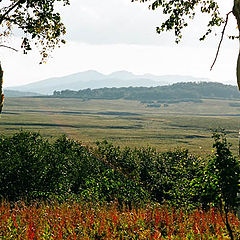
[[93, 80]]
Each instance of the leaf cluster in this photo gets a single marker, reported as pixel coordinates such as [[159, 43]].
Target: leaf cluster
[[166, 176], [221, 175], [39, 22], [179, 12]]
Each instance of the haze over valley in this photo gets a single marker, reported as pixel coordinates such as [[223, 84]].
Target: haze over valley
[[93, 79]]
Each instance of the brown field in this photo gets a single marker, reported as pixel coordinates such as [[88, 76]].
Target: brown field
[[122, 122]]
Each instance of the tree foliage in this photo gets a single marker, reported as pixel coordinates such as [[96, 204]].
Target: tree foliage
[[31, 167], [179, 12], [220, 179], [38, 21], [178, 92]]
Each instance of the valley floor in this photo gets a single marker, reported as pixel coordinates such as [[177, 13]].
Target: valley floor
[[122, 122]]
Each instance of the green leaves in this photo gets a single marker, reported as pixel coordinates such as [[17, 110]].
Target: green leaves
[[31, 167], [40, 24], [179, 12], [221, 175]]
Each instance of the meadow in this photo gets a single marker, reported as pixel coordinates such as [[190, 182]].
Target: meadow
[[80, 221], [127, 175], [125, 123]]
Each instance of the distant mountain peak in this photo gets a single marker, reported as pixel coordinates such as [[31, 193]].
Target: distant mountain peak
[[91, 72], [122, 75], [94, 79]]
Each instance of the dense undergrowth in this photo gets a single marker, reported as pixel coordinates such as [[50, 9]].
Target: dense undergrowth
[[73, 175], [32, 167], [72, 220]]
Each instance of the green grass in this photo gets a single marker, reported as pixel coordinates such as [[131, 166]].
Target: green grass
[[124, 122]]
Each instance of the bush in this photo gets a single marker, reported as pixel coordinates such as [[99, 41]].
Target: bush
[[31, 167], [25, 165], [219, 182], [166, 176]]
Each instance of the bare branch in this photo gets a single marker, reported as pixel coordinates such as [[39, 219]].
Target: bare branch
[[220, 43], [14, 49]]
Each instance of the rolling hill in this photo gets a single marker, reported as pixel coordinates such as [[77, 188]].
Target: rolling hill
[[184, 91], [93, 80]]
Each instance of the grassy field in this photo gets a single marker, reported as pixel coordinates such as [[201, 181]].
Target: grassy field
[[122, 122]]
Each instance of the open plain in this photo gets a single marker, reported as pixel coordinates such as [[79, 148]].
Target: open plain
[[125, 123]]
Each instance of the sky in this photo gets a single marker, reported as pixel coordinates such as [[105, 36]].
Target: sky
[[115, 35]]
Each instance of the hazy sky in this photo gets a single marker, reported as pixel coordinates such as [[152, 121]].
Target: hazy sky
[[113, 35]]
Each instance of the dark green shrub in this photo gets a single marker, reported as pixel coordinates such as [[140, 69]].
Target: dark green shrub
[[221, 175], [112, 185], [24, 165], [32, 167], [166, 176], [181, 171]]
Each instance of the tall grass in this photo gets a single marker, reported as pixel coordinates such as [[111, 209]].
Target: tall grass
[[86, 221]]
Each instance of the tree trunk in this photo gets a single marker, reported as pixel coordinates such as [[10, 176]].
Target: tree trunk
[[1, 88], [229, 228], [236, 12]]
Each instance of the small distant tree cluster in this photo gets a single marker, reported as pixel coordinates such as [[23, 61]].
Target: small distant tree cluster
[[178, 92]]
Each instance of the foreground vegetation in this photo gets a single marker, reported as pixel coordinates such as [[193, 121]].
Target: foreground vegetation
[[73, 220], [73, 187], [32, 167]]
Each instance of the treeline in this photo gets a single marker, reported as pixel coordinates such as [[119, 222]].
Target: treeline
[[32, 167], [179, 91]]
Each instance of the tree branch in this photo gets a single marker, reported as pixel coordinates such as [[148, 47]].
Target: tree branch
[[2, 17], [220, 43], [14, 49]]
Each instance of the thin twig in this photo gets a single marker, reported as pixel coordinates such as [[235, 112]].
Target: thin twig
[[220, 43], [14, 49], [2, 17]]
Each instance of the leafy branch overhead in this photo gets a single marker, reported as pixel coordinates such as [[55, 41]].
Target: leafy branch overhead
[[180, 12], [40, 24]]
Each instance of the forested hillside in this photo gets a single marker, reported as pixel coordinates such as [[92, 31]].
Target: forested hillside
[[178, 91]]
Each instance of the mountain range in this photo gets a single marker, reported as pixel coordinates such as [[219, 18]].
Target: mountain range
[[94, 80]]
